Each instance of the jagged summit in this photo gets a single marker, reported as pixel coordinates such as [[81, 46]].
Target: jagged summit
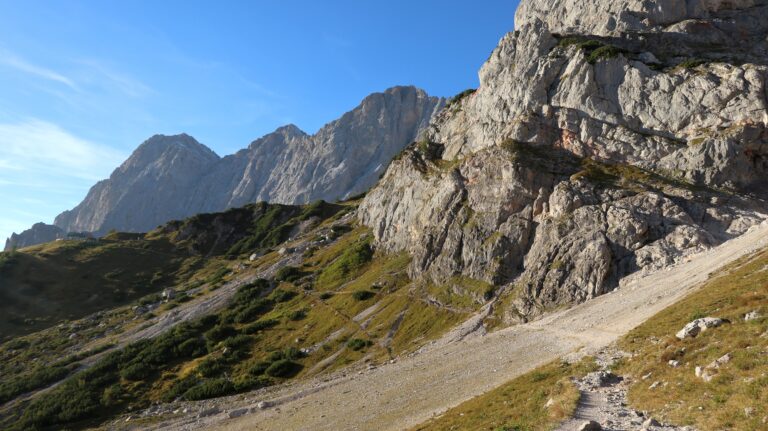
[[157, 144], [173, 177], [161, 151]]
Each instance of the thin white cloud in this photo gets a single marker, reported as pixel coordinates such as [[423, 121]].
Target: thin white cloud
[[36, 146], [20, 64], [127, 85]]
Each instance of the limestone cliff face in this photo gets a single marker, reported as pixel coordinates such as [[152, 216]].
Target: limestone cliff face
[[606, 137], [344, 158], [151, 187], [173, 177]]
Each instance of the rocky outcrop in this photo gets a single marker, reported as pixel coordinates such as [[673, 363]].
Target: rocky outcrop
[[173, 177], [605, 138], [694, 328], [37, 234]]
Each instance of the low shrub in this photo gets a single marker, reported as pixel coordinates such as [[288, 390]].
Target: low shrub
[[363, 295], [459, 97], [193, 348], [210, 367], [293, 353], [259, 368], [284, 368], [38, 378], [604, 53], [113, 395], [358, 344], [137, 371], [289, 274], [250, 292], [178, 388], [249, 383], [238, 342], [297, 315], [280, 295], [219, 333], [211, 388], [252, 311], [260, 326], [219, 275]]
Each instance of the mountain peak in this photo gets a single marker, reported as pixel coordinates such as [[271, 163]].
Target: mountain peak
[[180, 141], [174, 176], [160, 146], [290, 131]]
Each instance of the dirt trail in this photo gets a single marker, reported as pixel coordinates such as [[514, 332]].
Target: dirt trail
[[410, 391], [603, 399]]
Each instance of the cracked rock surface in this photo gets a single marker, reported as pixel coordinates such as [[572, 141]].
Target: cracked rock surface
[[606, 138]]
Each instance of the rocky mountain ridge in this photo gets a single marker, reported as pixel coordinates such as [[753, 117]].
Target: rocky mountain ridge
[[597, 145], [173, 177]]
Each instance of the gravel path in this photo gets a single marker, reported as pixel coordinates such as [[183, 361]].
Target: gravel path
[[604, 400], [413, 389]]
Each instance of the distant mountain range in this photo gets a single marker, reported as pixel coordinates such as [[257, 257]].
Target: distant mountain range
[[173, 177]]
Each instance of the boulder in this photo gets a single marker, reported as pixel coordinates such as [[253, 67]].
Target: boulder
[[651, 422], [169, 294], [590, 426], [692, 329], [752, 315], [599, 379]]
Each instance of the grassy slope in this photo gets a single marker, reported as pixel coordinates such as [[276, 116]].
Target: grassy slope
[[743, 383], [316, 306], [518, 405], [682, 399], [45, 284]]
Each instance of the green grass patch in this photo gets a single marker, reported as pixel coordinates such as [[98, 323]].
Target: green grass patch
[[738, 385], [347, 264], [595, 50], [519, 404], [691, 63]]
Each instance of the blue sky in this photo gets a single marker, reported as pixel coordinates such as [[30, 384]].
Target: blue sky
[[82, 83]]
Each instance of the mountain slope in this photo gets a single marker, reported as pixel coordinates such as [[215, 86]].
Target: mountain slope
[[597, 145], [734, 399], [284, 292], [68, 279], [417, 388], [172, 177]]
